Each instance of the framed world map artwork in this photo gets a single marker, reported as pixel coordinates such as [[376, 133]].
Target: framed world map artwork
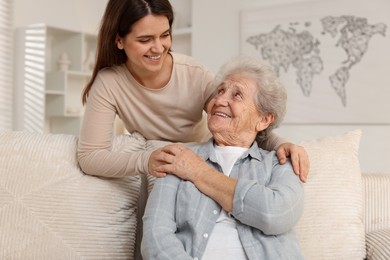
[[333, 56]]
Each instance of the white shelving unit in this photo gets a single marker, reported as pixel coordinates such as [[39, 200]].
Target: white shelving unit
[[52, 95]]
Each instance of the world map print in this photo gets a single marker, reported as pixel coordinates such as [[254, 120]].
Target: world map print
[[291, 48]]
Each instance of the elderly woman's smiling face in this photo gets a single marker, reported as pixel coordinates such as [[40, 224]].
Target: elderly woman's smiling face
[[233, 117]]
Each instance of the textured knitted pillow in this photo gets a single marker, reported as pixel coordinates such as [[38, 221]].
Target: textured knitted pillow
[[378, 245], [49, 209], [332, 226]]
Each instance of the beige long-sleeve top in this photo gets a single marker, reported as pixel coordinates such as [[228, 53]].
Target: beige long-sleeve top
[[174, 113]]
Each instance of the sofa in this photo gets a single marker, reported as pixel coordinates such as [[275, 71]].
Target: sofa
[[50, 209]]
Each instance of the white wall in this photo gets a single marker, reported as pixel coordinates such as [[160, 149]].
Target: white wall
[[76, 15], [216, 39]]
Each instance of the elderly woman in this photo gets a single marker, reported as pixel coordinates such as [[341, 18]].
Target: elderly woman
[[228, 198]]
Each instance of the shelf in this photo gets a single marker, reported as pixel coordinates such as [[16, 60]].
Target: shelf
[[182, 26], [54, 105], [54, 92], [182, 31], [70, 84], [57, 67], [60, 42]]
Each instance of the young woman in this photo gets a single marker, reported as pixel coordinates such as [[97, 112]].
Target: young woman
[[155, 91]]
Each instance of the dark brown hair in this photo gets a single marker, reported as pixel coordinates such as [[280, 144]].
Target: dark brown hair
[[118, 19]]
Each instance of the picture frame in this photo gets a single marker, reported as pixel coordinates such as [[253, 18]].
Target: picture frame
[[332, 56]]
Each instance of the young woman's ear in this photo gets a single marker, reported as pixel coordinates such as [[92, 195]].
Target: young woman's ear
[[119, 43]]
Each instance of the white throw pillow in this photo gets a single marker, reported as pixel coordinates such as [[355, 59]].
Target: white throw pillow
[[332, 226], [49, 209], [378, 245]]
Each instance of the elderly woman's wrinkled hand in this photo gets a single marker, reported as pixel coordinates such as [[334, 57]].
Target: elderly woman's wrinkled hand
[[181, 161], [299, 158]]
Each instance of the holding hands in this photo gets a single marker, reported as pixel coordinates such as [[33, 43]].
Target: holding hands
[[178, 160]]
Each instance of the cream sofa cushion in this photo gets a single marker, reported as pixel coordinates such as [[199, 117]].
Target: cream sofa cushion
[[378, 245], [49, 209], [332, 224]]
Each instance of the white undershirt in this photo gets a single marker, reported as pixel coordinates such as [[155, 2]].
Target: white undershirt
[[224, 242]]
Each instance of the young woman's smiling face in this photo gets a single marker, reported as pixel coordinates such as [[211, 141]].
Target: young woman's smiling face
[[233, 117], [147, 45]]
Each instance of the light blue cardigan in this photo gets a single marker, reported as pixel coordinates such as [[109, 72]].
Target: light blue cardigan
[[268, 202]]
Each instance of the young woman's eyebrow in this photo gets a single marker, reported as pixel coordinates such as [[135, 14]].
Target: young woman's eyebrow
[[148, 36]]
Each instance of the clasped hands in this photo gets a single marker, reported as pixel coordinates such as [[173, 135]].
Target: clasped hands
[[175, 159]]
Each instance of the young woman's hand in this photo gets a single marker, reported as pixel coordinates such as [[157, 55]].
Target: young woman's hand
[[155, 162], [299, 158]]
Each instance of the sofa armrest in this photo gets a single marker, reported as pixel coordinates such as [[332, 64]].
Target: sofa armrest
[[378, 245], [49, 209], [376, 195]]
